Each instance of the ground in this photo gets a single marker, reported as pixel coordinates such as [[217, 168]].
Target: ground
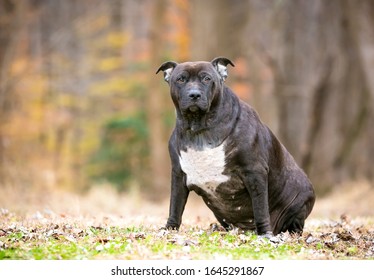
[[105, 225]]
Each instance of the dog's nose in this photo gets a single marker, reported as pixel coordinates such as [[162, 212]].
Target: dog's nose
[[194, 94]]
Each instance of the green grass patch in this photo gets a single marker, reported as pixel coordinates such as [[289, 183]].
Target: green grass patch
[[61, 241]]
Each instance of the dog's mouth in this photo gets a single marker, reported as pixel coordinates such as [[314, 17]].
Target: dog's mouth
[[195, 107]]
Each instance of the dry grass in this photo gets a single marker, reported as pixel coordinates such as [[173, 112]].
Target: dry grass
[[352, 199]]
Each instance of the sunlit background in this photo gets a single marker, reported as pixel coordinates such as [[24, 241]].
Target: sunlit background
[[83, 113]]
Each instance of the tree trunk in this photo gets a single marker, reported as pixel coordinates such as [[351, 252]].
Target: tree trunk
[[159, 174]]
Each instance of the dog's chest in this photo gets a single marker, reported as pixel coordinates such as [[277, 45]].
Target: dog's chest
[[204, 168]]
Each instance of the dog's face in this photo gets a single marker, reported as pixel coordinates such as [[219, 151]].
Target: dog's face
[[194, 86]]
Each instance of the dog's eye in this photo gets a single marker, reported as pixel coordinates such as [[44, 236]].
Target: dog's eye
[[207, 79], [181, 79]]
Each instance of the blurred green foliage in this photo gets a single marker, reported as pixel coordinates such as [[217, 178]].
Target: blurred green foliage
[[122, 152]]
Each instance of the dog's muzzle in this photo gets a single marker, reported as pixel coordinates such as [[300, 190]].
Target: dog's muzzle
[[194, 100]]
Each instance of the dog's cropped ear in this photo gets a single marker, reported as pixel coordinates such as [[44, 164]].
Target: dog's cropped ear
[[167, 67], [220, 63]]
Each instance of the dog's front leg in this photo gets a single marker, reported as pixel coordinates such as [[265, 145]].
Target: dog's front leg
[[178, 200]]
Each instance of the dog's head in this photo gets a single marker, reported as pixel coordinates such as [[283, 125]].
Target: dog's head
[[195, 86]]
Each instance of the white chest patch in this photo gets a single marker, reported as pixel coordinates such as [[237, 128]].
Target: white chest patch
[[204, 168]]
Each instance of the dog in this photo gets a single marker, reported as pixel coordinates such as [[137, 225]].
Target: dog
[[220, 149]]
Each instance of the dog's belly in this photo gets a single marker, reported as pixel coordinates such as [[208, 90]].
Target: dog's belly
[[231, 204]]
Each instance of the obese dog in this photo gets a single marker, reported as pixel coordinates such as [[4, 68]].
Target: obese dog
[[221, 150]]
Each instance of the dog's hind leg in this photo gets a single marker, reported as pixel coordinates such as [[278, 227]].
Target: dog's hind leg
[[293, 219]]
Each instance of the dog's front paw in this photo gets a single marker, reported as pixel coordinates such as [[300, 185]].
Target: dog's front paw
[[270, 236], [170, 227], [166, 230]]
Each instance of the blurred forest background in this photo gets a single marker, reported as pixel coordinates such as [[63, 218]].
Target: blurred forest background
[[80, 104]]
